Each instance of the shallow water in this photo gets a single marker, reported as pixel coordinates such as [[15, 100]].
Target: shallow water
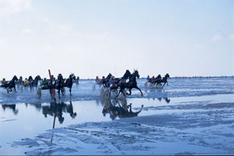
[[28, 120], [29, 116]]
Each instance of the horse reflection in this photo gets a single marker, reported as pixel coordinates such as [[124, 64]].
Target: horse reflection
[[119, 108], [12, 107], [166, 99], [57, 110]]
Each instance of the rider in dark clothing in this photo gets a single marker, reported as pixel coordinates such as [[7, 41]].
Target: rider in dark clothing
[[158, 78], [60, 78], [4, 81], [30, 79], [106, 83], [125, 76], [60, 81]]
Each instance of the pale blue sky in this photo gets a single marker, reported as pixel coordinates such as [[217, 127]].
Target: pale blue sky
[[95, 37]]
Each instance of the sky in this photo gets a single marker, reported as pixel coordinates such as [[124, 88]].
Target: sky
[[95, 37]]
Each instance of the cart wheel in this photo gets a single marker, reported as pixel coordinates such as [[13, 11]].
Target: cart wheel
[[39, 93], [107, 94], [63, 91]]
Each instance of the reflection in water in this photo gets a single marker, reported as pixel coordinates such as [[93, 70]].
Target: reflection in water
[[54, 109], [118, 108], [12, 107], [166, 99], [159, 91], [57, 109]]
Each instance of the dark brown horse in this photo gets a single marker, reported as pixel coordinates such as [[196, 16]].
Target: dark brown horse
[[11, 84], [129, 85]]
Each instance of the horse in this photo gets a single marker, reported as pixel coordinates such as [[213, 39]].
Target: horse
[[69, 82], [158, 81], [12, 107], [59, 85], [164, 80], [124, 111], [129, 85], [34, 83], [57, 110], [10, 84], [30, 79]]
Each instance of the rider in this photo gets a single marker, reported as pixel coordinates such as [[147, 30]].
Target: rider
[[77, 79], [158, 78], [30, 79], [148, 78], [125, 76], [4, 81], [97, 80], [21, 82], [102, 81], [106, 82], [44, 83], [26, 81], [112, 82], [152, 79], [60, 80]]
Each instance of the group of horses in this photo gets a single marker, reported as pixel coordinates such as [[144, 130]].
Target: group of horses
[[109, 84], [119, 108], [157, 82], [58, 84], [118, 85], [128, 81]]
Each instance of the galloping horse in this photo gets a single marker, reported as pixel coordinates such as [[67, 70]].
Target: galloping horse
[[69, 82], [130, 85], [10, 84], [34, 83], [60, 84], [122, 111], [158, 81], [164, 80]]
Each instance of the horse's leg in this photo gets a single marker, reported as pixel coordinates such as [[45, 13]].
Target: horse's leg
[[15, 89], [139, 90], [123, 92], [70, 91], [118, 93], [130, 91], [59, 91]]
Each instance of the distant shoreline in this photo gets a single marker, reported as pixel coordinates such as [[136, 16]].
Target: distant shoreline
[[180, 77]]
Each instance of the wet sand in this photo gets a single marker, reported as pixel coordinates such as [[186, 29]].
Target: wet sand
[[164, 126]]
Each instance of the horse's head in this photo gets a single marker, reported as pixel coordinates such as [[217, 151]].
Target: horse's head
[[167, 75], [136, 73], [14, 78], [30, 78], [38, 77], [72, 76]]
